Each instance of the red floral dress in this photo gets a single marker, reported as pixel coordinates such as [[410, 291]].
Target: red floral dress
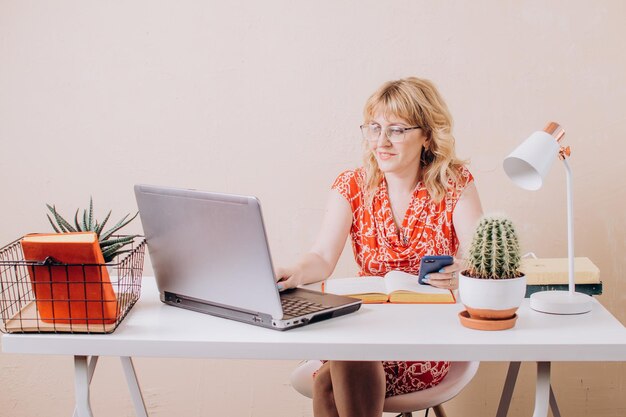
[[379, 247]]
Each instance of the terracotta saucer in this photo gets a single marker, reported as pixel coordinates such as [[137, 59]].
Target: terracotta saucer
[[478, 324]]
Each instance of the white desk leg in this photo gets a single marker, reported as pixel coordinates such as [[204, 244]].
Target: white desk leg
[[92, 367], [507, 391], [542, 390], [81, 386], [553, 405], [133, 386]]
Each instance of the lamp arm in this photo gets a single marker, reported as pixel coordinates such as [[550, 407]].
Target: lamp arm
[[570, 227]]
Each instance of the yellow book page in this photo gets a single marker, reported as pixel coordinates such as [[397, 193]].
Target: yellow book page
[[371, 298], [408, 297]]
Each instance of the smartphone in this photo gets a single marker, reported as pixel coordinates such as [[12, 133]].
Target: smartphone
[[433, 263]]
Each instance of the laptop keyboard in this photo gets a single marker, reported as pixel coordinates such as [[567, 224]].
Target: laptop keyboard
[[296, 306]]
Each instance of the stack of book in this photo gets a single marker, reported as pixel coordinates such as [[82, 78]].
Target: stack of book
[[546, 274]]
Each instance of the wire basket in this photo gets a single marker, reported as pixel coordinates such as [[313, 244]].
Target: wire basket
[[50, 297]]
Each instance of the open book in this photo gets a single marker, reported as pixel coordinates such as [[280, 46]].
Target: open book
[[394, 287]]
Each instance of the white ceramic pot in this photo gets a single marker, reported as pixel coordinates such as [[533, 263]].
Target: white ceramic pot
[[492, 298]]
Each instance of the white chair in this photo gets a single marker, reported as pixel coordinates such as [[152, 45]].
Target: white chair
[[459, 375]]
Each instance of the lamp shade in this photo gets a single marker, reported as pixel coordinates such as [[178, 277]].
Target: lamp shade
[[530, 162]]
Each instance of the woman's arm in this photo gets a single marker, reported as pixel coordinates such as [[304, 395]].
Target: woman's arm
[[321, 260], [465, 217]]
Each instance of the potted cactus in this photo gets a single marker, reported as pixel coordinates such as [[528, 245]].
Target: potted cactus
[[492, 287]]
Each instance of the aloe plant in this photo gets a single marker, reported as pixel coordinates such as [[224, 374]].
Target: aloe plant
[[495, 250], [86, 223]]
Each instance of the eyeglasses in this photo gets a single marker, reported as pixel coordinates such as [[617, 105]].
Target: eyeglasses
[[395, 134]]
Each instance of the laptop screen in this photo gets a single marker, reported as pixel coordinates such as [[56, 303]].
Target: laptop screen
[[209, 246]]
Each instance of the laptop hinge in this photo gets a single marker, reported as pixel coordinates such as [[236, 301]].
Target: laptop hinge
[[215, 309]]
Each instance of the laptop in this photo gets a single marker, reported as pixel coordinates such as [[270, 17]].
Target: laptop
[[209, 253]]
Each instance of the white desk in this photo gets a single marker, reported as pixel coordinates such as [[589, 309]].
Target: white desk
[[375, 332]]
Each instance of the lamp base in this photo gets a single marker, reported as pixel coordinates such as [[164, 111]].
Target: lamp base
[[560, 302]]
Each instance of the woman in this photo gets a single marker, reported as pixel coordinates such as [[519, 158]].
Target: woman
[[411, 198]]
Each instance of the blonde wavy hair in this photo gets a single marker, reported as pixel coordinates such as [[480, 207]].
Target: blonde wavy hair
[[418, 103]]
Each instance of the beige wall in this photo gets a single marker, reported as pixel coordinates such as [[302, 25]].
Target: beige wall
[[265, 98]]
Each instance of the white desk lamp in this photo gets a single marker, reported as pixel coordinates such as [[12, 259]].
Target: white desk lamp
[[527, 166]]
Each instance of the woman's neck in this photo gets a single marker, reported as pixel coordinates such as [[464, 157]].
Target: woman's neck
[[402, 183]]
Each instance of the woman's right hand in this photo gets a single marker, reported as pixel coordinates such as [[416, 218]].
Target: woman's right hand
[[311, 268], [288, 277]]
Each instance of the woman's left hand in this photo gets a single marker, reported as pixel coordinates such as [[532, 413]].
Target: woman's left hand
[[447, 277]]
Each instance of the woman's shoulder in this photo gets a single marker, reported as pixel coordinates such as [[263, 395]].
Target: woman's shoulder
[[350, 182], [461, 180], [465, 176], [351, 176]]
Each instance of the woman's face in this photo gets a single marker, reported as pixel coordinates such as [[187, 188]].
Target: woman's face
[[396, 157]]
